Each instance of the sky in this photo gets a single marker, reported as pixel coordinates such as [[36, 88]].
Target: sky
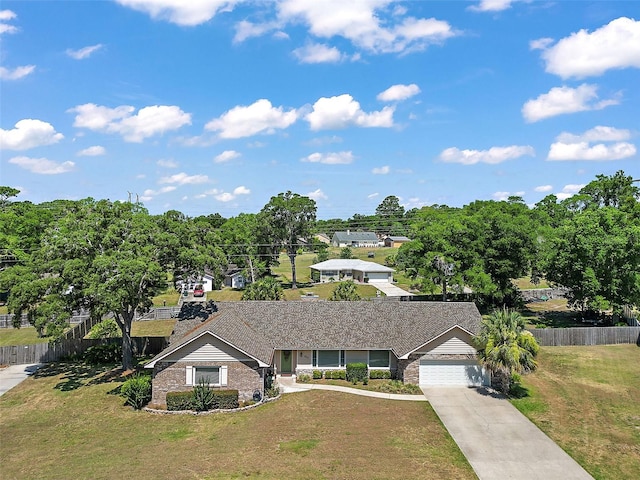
[[214, 106]]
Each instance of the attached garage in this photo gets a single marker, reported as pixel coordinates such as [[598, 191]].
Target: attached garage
[[453, 373]]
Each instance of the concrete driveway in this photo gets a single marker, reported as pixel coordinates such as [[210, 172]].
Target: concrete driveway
[[14, 374], [390, 290], [498, 441]]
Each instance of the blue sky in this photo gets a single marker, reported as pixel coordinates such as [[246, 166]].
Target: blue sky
[[215, 106]]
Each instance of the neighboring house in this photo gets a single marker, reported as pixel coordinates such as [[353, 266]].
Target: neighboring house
[[395, 241], [234, 278], [322, 237], [243, 343], [355, 239], [205, 280], [352, 269]]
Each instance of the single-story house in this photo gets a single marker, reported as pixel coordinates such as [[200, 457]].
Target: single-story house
[[241, 344], [395, 241], [355, 239], [322, 237], [351, 269], [233, 277]]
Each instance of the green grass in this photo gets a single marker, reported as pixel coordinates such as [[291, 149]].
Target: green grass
[[169, 299], [20, 336], [524, 283], [553, 313], [68, 422], [586, 400], [323, 290], [153, 328]]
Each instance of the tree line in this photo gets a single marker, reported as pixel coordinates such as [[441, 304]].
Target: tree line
[[114, 257]]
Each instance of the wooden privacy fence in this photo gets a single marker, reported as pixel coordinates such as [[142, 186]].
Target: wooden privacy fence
[[51, 352], [555, 337]]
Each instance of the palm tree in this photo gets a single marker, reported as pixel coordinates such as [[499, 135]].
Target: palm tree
[[505, 347], [346, 290], [266, 289]]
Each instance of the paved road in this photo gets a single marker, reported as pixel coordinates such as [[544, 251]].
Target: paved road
[[14, 374], [498, 441]]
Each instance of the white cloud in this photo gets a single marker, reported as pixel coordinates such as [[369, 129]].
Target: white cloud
[[332, 158], [596, 134], [246, 29], [491, 6], [569, 191], [363, 23], [502, 196], [318, 53], [373, 195], [584, 151], [148, 194], [343, 111], [399, 92], [149, 121], [540, 43], [241, 190], [381, 170], [42, 166], [167, 163], [259, 117], [583, 54], [93, 151], [83, 53], [492, 156], [563, 100], [7, 15], [184, 179], [29, 133], [543, 188], [17, 73], [317, 195], [181, 12], [226, 156], [569, 146], [5, 27], [224, 197]]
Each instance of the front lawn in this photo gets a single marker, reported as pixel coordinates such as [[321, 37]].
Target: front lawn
[[67, 422], [586, 399]]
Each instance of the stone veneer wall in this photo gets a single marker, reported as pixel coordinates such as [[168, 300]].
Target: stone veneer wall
[[171, 377]]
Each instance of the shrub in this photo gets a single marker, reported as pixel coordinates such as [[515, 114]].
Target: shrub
[[106, 353], [380, 374], [336, 374], [357, 372], [180, 401], [107, 328], [202, 396], [137, 391], [225, 399], [303, 378], [272, 392], [317, 374]]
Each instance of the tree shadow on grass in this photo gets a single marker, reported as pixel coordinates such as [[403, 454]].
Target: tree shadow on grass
[[551, 319], [74, 375]]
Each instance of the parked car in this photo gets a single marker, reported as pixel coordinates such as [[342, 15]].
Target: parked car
[[198, 291]]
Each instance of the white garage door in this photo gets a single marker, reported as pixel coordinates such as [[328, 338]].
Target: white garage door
[[453, 372]]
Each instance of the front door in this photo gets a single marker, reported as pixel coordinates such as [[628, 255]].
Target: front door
[[285, 361]]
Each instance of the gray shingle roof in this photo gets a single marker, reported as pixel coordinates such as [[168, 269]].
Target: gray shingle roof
[[348, 237], [260, 327], [351, 264]]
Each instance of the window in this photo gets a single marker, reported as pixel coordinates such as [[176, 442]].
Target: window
[[216, 376], [328, 358], [210, 375], [378, 359]]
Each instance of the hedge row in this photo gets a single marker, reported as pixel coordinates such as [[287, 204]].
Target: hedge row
[[220, 399], [343, 374]]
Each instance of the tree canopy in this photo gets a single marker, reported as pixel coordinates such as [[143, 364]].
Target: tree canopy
[[284, 221]]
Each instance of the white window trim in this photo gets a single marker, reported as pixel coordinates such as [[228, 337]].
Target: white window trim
[[191, 375]]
